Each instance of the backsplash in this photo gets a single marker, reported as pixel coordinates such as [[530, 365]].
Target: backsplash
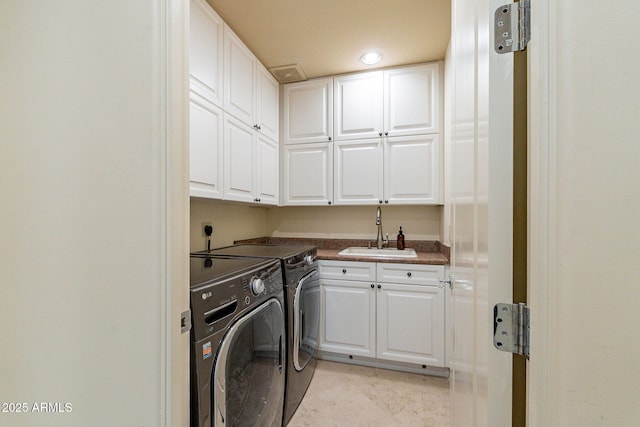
[[419, 245]]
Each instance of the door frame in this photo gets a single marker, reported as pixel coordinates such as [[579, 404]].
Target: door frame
[[542, 202]]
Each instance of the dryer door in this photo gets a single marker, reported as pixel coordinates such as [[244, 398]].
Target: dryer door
[[249, 370], [306, 319]]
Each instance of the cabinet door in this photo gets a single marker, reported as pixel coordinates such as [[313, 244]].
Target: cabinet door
[[205, 149], [308, 174], [358, 106], [412, 100], [239, 160], [267, 171], [357, 172], [240, 79], [268, 104], [411, 324], [348, 317], [308, 111], [206, 31], [412, 169]]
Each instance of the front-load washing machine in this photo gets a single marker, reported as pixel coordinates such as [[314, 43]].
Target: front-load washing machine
[[238, 342], [302, 297]]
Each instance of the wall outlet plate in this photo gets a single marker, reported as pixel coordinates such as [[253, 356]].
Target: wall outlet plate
[[203, 225]]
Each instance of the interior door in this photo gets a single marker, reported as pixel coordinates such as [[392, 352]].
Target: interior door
[[481, 214]]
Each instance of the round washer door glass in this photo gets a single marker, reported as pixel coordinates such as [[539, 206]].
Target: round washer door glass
[[249, 373]]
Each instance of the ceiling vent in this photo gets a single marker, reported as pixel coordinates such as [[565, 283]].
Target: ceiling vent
[[288, 73]]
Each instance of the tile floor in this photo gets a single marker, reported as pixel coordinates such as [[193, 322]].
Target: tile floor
[[349, 395]]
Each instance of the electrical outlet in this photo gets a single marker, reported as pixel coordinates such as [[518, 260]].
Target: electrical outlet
[[203, 225]]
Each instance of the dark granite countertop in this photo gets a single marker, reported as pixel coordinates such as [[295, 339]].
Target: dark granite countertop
[[428, 251]]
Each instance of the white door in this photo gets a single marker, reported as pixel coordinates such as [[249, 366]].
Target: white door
[[481, 199]]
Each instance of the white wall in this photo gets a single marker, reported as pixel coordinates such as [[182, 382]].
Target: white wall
[[585, 292], [87, 260]]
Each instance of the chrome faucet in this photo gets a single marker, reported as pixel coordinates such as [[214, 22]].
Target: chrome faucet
[[380, 242]]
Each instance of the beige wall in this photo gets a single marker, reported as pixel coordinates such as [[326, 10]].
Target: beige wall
[[231, 221], [355, 222]]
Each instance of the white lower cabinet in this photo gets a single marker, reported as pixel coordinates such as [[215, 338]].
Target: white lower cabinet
[[349, 317], [385, 311]]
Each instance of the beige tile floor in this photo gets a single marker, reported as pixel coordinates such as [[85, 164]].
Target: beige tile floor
[[349, 395]]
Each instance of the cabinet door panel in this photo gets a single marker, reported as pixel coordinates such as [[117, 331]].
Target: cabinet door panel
[[308, 111], [412, 100], [267, 174], [239, 155], [357, 172], [206, 52], [240, 79], [358, 106], [205, 149], [412, 169], [308, 174], [268, 104], [348, 318], [411, 324]]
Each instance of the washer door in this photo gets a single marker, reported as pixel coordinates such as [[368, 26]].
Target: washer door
[[248, 375], [306, 319]]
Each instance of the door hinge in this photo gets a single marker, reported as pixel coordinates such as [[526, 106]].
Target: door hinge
[[185, 321], [511, 328], [446, 282], [512, 27]]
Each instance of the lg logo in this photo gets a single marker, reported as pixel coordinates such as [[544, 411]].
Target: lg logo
[[206, 295]]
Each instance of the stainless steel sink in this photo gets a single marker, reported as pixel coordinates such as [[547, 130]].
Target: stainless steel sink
[[374, 252]]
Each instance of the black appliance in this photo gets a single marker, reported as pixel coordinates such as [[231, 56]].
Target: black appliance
[[238, 342], [302, 296]]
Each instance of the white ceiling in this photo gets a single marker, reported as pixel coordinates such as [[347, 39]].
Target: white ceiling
[[328, 37]]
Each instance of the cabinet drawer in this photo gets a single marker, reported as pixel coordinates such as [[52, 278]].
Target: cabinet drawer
[[413, 274], [347, 270]]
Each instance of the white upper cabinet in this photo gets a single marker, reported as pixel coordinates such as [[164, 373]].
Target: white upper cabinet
[[267, 103], [206, 52], [205, 149], [395, 102], [251, 164], [240, 79], [232, 95], [412, 170], [412, 99], [308, 174], [251, 94], [358, 172], [267, 174], [358, 106], [308, 111], [239, 161]]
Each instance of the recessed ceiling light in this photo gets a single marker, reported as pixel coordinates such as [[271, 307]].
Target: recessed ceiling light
[[371, 58]]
